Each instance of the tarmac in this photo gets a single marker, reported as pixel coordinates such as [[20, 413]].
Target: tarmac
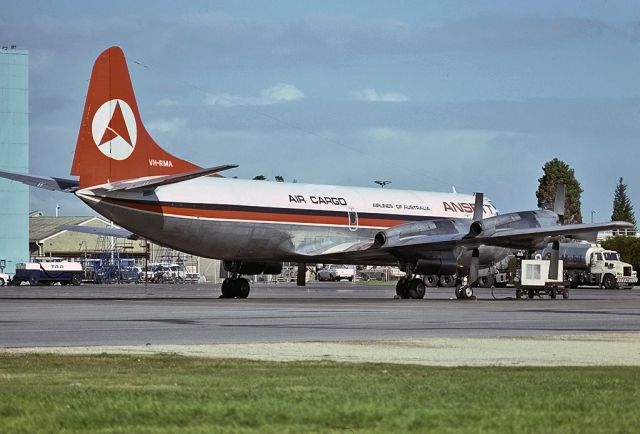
[[326, 321]]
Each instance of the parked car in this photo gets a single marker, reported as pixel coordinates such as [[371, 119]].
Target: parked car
[[372, 273], [336, 272], [4, 279]]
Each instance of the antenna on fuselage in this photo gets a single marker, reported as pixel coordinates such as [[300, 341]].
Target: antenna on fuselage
[[476, 228]]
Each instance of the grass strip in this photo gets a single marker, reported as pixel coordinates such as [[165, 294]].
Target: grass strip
[[171, 393]]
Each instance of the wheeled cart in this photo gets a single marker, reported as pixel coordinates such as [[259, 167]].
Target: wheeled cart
[[532, 280]]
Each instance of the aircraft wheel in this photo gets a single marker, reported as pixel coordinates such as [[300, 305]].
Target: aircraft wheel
[[552, 293], [518, 293], [485, 281], [416, 288], [1, 281], [531, 294], [466, 292], [458, 292], [565, 293], [242, 288], [402, 288], [446, 280], [227, 288], [33, 281], [431, 280], [76, 280]]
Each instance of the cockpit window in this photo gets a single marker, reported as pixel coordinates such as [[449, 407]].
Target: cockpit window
[[598, 256]]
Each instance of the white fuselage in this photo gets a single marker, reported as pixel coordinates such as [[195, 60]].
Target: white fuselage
[[262, 220]]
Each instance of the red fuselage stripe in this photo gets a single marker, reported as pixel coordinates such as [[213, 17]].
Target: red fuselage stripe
[[292, 217]]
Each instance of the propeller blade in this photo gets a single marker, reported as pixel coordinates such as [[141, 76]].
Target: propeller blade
[[554, 261], [474, 267], [558, 204], [478, 207]]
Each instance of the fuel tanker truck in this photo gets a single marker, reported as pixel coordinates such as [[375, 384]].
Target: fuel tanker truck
[[590, 264]]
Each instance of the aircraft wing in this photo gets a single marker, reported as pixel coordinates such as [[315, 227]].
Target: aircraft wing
[[526, 238], [46, 182], [509, 237], [109, 232]]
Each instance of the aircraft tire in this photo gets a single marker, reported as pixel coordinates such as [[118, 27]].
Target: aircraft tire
[[33, 281], [402, 288], [242, 288], [458, 292], [552, 293], [447, 280], [466, 293], [531, 294], [565, 293], [417, 288], [485, 281], [227, 289], [431, 280]]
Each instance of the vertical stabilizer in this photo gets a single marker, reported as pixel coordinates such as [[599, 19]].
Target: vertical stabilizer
[[113, 143]]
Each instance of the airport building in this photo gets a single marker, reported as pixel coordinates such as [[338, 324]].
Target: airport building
[[14, 156]]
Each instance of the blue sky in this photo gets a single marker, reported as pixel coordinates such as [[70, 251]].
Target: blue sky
[[429, 95]]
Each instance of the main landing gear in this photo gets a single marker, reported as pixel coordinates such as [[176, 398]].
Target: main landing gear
[[408, 287], [235, 287]]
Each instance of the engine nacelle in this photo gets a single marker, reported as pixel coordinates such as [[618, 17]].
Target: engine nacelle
[[252, 267], [410, 232]]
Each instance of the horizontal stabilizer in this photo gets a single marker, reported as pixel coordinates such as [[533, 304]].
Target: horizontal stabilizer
[[108, 232], [46, 182], [157, 181]]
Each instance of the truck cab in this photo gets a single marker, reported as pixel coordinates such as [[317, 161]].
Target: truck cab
[[612, 271]]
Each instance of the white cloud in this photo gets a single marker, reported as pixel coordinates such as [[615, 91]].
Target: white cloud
[[278, 93], [370, 94]]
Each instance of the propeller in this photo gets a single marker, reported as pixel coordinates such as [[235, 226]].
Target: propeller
[[478, 207], [558, 208], [475, 230], [554, 260], [474, 267], [558, 203], [476, 226]]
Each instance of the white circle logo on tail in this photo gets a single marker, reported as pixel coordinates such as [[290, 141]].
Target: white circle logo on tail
[[114, 129]]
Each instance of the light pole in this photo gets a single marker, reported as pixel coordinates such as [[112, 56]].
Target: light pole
[[382, 183], [592, 213]]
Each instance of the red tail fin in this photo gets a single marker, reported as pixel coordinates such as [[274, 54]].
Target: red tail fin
[[112, 143]]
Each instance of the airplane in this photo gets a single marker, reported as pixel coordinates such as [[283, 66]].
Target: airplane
[[252, 226]]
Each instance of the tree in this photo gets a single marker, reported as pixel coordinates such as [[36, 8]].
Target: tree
[[558, 172], [259, 178], [622, 208]]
